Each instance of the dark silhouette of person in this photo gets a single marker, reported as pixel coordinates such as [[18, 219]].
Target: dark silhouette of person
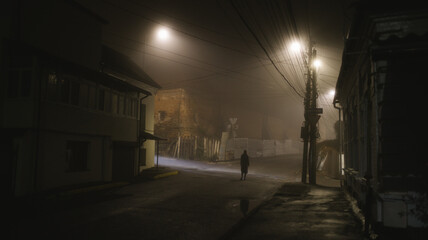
[[245, 162]]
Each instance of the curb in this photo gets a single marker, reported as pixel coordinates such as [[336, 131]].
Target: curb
[[167, 174]]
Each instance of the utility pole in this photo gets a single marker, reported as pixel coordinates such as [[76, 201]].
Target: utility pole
[[313, 121], [309, 131], [305, 128]]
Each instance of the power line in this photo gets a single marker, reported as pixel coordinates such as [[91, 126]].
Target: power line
[[223, 70], [179, 30], [264, 49]]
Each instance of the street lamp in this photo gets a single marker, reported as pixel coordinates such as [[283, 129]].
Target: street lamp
[[317, 64], [295, 47], [163, 33]]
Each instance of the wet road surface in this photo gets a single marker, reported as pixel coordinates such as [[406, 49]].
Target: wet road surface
[[202, 202]]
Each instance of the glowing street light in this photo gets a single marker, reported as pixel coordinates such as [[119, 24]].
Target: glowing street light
[[317, 63], [163, 34], [295, 46]]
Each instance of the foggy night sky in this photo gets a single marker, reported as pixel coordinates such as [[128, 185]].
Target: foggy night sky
[[211, 53]]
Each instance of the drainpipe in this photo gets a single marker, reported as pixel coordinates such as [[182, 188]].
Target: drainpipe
[[138, 127], [335, 101]]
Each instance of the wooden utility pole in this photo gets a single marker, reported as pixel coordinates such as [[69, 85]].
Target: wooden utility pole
[[305, 128], [309, 131], [307, 103], [313, 121]]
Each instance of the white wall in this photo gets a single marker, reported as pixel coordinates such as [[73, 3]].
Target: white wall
[[52, 164]]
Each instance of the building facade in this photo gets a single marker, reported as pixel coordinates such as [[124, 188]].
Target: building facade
[[73, 111], [380, 95], [191, 125]]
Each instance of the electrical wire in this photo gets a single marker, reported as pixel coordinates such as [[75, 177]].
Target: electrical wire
[[257, 38]]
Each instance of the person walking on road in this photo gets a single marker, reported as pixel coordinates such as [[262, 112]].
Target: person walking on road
[[245, 162]]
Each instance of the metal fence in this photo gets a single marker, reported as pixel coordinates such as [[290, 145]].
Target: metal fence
[[191, 147]]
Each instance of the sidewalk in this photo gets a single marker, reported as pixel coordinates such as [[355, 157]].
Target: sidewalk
[[302, 211], [147, 174]]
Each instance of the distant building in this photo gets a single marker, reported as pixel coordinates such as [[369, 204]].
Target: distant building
[[381, 93], [192, 126], [72, 111]]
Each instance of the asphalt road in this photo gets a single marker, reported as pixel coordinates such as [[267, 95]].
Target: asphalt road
[[204, 201]]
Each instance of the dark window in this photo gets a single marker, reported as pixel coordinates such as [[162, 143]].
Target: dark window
[[92, 97], [114, 105], [101, 96], [74, 93], [162, 115], [135, 108], [65, 89], [107, 99], [53, 86], [125, 105], [77, 156], [121, 105], [83, 95]]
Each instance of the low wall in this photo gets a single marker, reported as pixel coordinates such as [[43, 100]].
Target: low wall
[[233, 148]]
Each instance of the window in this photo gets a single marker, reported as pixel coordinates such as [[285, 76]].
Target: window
[[74, 93], [77, 91], [114, 103], [125, 106], [162, 115], [77, 156], [52, 87], [64, 87], [83, 95], [107, 99], [101, 95], [92, 98], [135, 108], [121, 105]]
